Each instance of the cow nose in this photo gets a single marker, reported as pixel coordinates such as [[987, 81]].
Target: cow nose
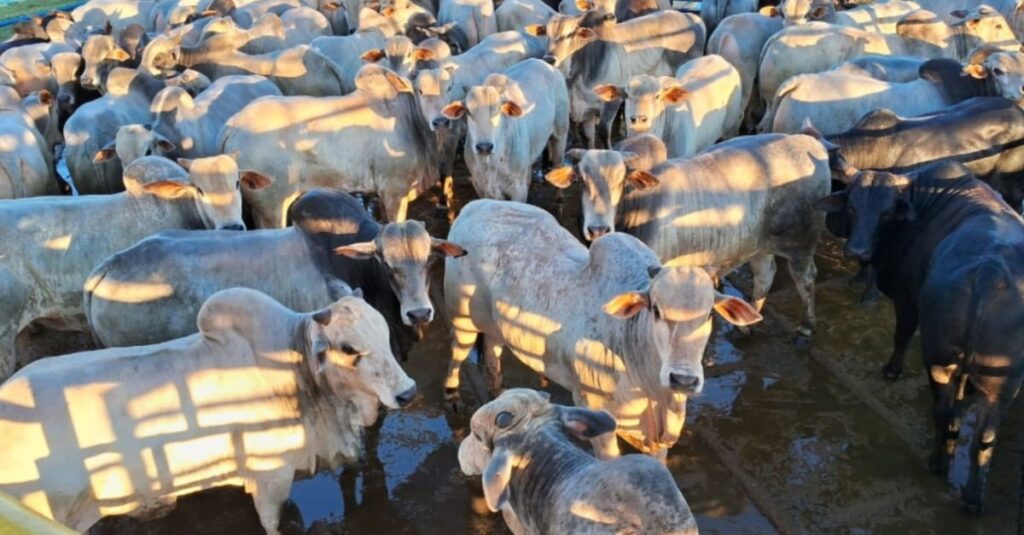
[[549, 59], [596, 231], [439, 122], [88, 83], [406, 397], [858, 253], [484, 148], [64, 101], [683, 382], [233, 226], [420, 315]]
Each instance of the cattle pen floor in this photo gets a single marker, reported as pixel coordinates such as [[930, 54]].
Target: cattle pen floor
[[784, 439]]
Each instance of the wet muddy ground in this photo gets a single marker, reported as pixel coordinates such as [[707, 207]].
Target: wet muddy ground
[[784, 439]]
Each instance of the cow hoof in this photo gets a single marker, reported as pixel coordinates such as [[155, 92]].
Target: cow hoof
[[890, 373]]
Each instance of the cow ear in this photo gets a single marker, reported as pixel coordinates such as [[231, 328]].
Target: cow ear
[[536, 30], [253, 181], [495, 479], [977, 71], [108, 152], [316, 342], [358, 251], [118, 54], [447, 248], [674, 94], [584, 5], [585, 424], [818, 13], [388, 11], [454, 111], [561, 177], [45, 97], [958, 13], [609, 92], [642, 180], [164, 144], [373, 55], [108, 28], [769, 11], [185, 163], [735, 310], [627, 305], [585, 33], [423, 54], [833, 203], [400, 84], [511, 109], [168, 189]]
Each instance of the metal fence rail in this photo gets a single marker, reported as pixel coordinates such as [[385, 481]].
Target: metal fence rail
[[14, 20]]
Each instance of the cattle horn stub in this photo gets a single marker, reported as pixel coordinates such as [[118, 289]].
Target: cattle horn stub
[[735, 310]]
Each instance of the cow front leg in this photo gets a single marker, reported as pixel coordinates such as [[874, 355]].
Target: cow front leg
[[803, 272], [268, 495], [589, 127], [906, 326], [763, 268]]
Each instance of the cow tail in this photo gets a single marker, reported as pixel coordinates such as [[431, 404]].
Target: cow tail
[[986, 279], [787, 87]]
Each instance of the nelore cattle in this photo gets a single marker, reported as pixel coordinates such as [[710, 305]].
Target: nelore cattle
[[332, 245], [272, 394], [986, 134], [613, 326], [949, 253], [522, 446]]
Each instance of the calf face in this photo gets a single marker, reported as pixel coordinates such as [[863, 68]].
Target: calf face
[[566, 35], [100, 54], [982, 22], [870, 199], [487, 112], [678, 306], [348, 348], [1003, 70], [433, 92], [214, 186], [405, 250], [796, 12], [646, 99], [133, 141], [64, 72], [498, 429], [603, 175]]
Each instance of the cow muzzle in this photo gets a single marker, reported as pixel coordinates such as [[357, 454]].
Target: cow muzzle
[[859, 253], [596, 231], [405, 398], [685, 383], [88, 82], [232, 226], [420, 316], [484, 148], [550, 60]]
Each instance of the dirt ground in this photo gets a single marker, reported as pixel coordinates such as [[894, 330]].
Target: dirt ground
[[784, 438]]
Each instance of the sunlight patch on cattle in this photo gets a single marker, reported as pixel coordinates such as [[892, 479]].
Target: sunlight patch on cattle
[[109, 479], [158, 412], [215, 395], [711, 217], [61, 243], [89, 417], [193, 461], [265, 450], [24, 469], [8, 143], [590, 513], [129, 292], [394, 153]]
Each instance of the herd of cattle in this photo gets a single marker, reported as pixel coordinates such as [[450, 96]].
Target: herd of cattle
[[133, 134]]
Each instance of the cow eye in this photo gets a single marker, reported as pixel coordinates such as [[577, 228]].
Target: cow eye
[[998, 72], [357, 360], [238, 184], [656, 311], [348, 349], [200, 191]]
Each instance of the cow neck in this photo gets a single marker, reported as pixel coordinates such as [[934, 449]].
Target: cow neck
[[590, 64], [190, 56], [547, 460], [961, 42], [165, 214]]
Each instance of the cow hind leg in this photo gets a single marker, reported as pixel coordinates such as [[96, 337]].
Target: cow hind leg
[[803, 271], [983, 443], [268, 495], [943, 384], [906, 326]]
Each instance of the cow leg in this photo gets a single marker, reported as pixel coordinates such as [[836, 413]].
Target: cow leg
[[396, 206], [941, 379], [906, 326], [268, 495], [8, 352], [803, 271], [982, 446], [492, 360], [462, 344], [762, 267], [589, 127]]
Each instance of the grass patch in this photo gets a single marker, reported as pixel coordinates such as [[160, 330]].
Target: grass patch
[[26, 7]]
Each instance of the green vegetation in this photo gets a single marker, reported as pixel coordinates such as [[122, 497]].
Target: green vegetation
[[26, 7]]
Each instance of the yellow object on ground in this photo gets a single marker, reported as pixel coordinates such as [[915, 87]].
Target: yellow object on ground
[[15, 519]]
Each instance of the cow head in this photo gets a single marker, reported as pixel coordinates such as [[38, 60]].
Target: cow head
[[566, 36], [401, 55], [797, 12], [603, 175], [675, 315], [871, 199], [161, 56], [487, 110], [213, 186], [1003, 70], [498, 432], [100, 54], [405, 250], [646, 99], [64, 69], [986, 25], [133, 141], [434, 90], [348, 348]]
